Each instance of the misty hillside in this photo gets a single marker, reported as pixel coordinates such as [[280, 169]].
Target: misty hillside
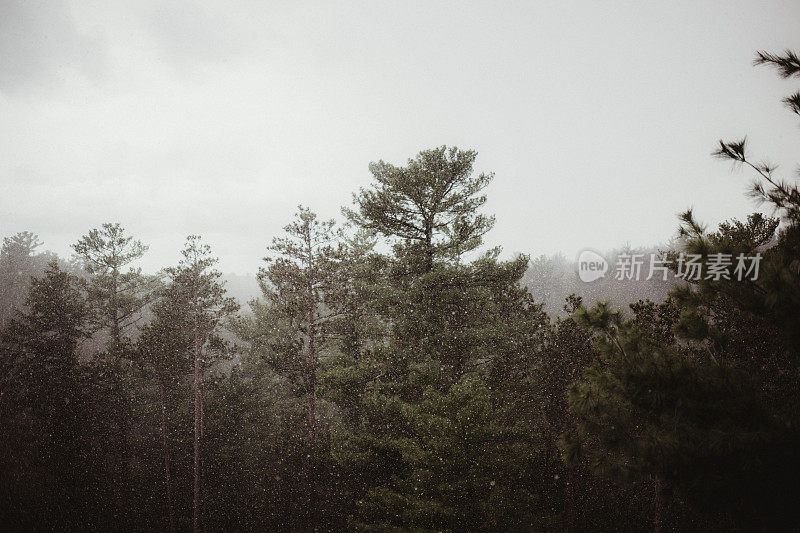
[[242, 287], [550, 279]]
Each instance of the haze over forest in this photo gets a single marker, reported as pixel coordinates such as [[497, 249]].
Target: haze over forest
[[312, 267], [219, 118]]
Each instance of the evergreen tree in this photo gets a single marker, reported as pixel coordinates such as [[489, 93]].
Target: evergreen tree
[[163, 350], [301, 287], [46, 461], [649, 411], [564, 353], [431, 204], [752, 322], [19, 261], [453, 327], [115, 296], [195, 287], [775, 293], [450, 461]]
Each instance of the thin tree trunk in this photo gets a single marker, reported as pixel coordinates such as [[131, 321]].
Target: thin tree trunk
[[165, 440], [116, 335], [312, 386], [123, 415], [429, 247], [203, 485], [657, 504], [120, 442], [312, 420], [197, 407]]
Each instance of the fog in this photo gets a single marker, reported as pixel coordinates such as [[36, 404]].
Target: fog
[[219, 118]]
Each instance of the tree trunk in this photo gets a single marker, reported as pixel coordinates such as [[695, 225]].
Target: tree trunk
[[120, 439], [116, 335], [197, 407], [312, 420], [428, 247], [203, 486], [658, 504], [165, 440], [312, 390], [121, 462]]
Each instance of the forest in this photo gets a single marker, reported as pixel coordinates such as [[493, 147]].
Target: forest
[[397, 375]]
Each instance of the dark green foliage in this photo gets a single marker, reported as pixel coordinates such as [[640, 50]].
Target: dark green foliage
[[196, 289], [436, 437], [651, 408], [449, 461], [648, 410], [47, 467], [299, 285], [788, 65]]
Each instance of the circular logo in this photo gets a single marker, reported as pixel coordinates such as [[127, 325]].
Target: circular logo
[[591, 266]]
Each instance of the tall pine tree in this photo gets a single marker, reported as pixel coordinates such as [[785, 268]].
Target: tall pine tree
[[196, 287]]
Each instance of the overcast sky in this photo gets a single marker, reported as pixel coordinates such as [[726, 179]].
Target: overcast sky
[[218, 118]]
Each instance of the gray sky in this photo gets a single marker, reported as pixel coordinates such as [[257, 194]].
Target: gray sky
[[218, 118]]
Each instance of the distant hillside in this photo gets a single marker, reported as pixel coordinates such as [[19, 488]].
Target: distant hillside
[[243, 287], [549, 278], [552, 278]]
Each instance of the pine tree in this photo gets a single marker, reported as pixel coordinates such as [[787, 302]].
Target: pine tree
[[163, 350], [299, 282], [115, 296], [450, 461], [752, 322], [195, 285], [649, 412], [46, 464], [431, 204], [454, 329], [118, 295], [19, 261], [564, 353], [776, 291]]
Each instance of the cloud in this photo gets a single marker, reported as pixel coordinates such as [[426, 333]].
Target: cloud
[[188, 34], [40, 44]]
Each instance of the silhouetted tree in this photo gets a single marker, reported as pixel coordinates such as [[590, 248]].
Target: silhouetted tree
[[46, 462], [194, 283]]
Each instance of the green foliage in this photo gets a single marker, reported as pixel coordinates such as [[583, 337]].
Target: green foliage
[[116, 295], [427, 442], [647, 409], [447, 462], [299, 285], [196, 289], [788, 65], [430, 204]]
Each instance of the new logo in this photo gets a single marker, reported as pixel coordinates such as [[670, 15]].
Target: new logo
[[591, 266]]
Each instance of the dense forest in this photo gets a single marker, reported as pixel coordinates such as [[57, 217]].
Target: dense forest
[[394, 375]]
